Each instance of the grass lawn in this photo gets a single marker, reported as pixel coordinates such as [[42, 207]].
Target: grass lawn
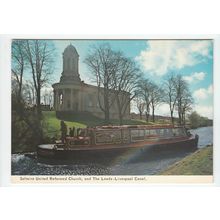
[[79, 121], [198, 163], [53, 124]]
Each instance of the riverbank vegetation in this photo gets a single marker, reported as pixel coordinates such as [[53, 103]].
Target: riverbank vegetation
[[197, 120], [198, 163]]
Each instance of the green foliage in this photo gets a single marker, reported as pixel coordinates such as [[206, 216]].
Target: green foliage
[[198, 121], [52, 124], [26, 127]]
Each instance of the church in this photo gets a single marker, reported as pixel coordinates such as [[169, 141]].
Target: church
[[72, 95]]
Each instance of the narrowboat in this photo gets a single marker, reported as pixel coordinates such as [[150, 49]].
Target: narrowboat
[[109, 141]]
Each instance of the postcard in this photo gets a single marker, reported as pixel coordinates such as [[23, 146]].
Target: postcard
[[112, 111]]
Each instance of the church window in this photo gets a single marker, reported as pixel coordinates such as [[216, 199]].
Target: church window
[[61, 99]]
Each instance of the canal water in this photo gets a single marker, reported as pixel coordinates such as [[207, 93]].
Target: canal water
[[130, 163]]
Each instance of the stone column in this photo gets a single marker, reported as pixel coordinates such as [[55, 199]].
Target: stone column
[[78, 100], [54, 99], [71, 99], [64, 100], [82, 100], [58, 100]]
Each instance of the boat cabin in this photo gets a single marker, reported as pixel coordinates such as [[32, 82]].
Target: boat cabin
[[126, 134]]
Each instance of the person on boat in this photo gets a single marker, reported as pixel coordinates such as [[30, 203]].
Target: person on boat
[[82, 132], [71, 132], [92, 136], [63, 129], [73, 129], [78, 130]]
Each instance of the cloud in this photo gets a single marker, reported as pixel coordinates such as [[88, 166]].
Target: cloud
[[210, 89], [195, 77], [164, 110], [162, 56], [205, 111], [203, 93]]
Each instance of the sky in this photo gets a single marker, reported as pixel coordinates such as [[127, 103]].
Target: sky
[[193, 59]]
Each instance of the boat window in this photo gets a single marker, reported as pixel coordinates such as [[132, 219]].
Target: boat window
[[153, 132], [141, 133], [126, 135], [147, 132], [137, 135], [168, 133], [160, 132], [108, 137]]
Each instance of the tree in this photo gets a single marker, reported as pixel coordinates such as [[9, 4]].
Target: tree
[[47, 96], [144, 88], [140, 105], [184, 99], [125, 84], [186, 106], [19, 62], [170, 96], [40, 58], [29, 93], [194, 119], [103, 62], [197, 120], [155, 97], [50, 98], [178, 97]]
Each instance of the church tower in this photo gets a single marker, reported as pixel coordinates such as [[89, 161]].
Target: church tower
[[70, 72], [72, 96]]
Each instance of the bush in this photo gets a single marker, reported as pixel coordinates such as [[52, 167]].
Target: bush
[[27, 127], [198, 121]]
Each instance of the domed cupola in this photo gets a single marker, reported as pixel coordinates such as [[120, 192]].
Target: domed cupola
[[70, 50], [70, 72]]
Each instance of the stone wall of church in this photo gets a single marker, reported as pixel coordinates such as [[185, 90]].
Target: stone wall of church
[[83, 98]]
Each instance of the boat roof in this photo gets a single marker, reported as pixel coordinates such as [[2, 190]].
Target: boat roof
[[136, 127]]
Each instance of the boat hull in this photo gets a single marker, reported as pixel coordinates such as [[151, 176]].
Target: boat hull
[[107, 154]]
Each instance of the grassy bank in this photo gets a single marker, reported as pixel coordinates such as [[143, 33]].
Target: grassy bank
[[198, 163], [53, 124]]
